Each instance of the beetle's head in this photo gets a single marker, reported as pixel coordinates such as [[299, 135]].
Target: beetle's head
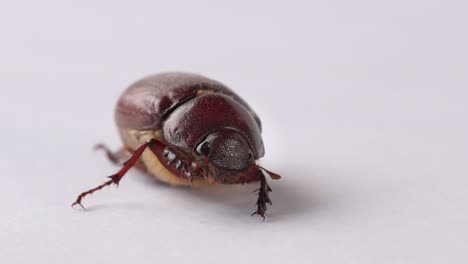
[[226, 149]]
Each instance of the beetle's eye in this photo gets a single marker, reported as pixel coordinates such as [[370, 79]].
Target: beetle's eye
[[204, 149]]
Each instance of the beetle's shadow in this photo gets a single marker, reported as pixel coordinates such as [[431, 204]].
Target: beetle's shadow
[[290, 198]]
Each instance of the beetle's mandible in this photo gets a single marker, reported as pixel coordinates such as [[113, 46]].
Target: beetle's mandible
[[186, 129]]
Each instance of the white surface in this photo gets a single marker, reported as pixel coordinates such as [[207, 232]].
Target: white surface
[[364, 105]]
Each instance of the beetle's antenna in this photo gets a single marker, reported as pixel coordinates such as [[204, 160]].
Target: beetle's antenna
[[273, 175]]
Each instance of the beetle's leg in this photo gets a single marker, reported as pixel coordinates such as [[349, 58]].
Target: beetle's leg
[[115, 178], [263, 197], [115, 157]]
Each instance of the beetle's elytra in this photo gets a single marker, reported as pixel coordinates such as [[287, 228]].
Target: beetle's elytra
[[186, 129]]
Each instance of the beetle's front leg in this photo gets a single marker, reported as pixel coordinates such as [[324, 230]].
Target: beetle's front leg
[[263, 197]]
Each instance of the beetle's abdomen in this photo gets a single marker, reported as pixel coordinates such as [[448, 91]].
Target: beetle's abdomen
[[147, 102], [190, 123]]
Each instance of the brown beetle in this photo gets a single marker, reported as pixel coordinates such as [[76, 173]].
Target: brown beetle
[[186, 129]]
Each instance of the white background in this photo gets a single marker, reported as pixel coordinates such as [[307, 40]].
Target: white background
[[364, 106]]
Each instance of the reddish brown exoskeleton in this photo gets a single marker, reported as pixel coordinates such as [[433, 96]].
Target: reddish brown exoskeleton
[[185, 129]]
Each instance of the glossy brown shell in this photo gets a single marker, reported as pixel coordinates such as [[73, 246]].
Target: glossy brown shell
[[149, 102]]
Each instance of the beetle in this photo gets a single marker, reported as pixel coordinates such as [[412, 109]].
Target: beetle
[[186, 129]]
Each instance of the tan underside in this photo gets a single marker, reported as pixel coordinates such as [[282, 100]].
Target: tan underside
[[135, 138]]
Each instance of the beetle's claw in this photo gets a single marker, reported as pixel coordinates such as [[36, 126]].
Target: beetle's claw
[[78, 202], [259, 212], [263, 199]]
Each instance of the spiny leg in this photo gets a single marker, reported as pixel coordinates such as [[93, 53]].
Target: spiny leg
[[115, 157], [115, 178], [178, 161], [263, 197]]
